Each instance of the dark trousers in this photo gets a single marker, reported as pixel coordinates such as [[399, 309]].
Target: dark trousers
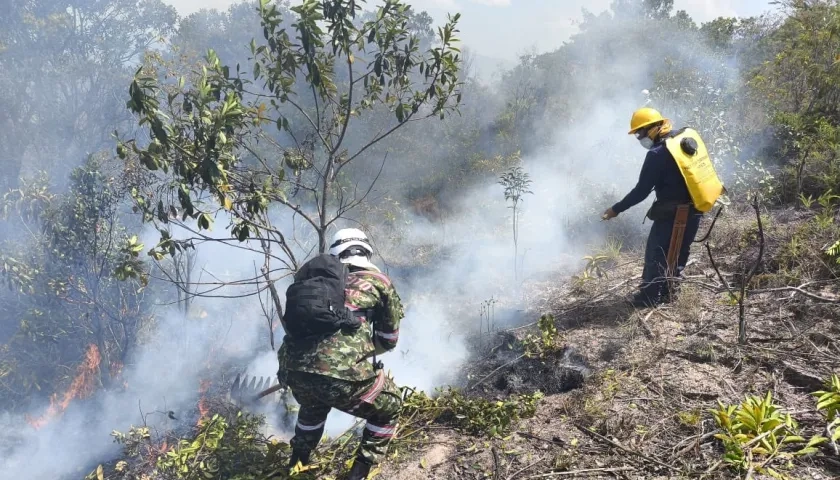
[[654, 281], [377, 401]]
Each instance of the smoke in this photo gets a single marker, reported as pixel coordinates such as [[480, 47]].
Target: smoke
[[165, 374], [582, 163]]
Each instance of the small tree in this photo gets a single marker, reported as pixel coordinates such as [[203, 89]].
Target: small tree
[[61, 259], [329, 83], [516, 183]]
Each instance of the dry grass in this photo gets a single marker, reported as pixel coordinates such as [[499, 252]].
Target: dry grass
[[656, 373]]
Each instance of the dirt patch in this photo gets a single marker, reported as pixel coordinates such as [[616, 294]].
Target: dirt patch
[[691, 380], [417, 465]]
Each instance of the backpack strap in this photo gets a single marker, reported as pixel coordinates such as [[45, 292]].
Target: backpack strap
[[367, 313]]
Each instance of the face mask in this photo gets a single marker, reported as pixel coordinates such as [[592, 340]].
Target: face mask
[[647, 143]]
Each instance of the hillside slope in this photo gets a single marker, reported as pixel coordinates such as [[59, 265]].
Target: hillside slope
[[587, 386], [654, 375]]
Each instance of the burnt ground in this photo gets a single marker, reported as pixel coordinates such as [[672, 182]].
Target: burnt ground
[[643, 380]]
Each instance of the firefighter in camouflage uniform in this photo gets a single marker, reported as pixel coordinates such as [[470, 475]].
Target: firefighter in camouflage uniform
[[340, 371]]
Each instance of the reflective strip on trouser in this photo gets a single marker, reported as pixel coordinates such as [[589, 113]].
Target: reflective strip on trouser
[[309, 428], [380, 431], [370, 395], [391, 337], [377, 400]]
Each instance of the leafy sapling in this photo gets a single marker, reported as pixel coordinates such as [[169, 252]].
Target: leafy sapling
[[516, 183]]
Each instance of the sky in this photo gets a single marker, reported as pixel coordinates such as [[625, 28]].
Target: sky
[[504, 29]]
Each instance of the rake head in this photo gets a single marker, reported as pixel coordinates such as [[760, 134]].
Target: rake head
[[251, 390]]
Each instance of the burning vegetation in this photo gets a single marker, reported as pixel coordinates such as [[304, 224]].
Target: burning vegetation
[[84, 385], [203, 408], [575, 384]]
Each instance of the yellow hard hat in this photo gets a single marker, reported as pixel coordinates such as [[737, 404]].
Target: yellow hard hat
[[644, 117]]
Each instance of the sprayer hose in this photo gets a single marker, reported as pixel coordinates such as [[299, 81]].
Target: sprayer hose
[[709, 232]]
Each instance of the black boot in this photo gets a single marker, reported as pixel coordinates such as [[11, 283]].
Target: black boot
[[643, 300], [302, 457], [359, 471]]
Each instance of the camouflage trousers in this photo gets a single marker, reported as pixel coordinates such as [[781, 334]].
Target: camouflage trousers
[[376, 400]]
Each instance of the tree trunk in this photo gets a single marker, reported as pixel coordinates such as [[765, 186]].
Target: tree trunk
[[104, 357], [322, 239]]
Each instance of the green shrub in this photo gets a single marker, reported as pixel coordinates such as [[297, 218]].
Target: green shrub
[[756, 433]]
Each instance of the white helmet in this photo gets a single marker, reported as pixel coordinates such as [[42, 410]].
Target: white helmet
[[349, 237]]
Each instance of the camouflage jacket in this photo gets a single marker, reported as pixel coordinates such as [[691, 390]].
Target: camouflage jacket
[[347, 356]]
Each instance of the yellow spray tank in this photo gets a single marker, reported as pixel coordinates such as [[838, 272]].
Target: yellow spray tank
[[696, 167]]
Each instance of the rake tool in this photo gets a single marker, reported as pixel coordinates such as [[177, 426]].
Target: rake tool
[[246, 393]]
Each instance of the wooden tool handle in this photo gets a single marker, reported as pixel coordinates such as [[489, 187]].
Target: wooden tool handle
[[268, 391]]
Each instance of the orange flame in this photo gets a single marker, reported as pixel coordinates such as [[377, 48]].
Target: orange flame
[[82, 387], [153, 452], [203, 408]]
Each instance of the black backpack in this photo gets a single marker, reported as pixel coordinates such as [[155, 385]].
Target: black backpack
[[315, 301]]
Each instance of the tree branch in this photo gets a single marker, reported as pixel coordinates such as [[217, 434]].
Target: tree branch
[[742, 319], [276, 298], [356, 202], [717, 270], [349, 109]]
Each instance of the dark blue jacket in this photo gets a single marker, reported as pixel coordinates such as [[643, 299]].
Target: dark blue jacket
[[661, 174]]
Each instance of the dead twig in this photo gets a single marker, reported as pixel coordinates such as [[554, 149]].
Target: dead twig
[[541, 439], [576, 305], [496, 371], [583, 471], [521, 470], [643, 323], [798, 290], [624, 449], [714, 467], [695, 442], [496, 464]]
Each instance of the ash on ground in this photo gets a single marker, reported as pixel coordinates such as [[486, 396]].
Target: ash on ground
[[505, 371]]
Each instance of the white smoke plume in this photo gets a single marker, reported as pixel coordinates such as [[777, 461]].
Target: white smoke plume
[[591, 163]]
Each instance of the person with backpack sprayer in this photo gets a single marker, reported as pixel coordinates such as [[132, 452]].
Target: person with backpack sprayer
[[677, 167], [341, 311]]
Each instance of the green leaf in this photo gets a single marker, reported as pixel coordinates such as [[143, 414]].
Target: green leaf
[[242, 233], [204, 221], [827, 403]]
